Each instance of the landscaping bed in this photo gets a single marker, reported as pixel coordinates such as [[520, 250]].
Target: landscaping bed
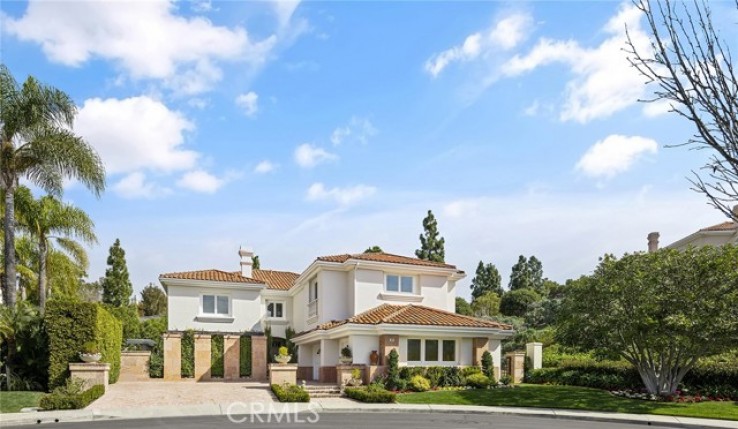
[[290, 393]]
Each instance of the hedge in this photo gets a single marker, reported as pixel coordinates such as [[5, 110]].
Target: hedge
[[188, 354], [439, 376], [217, 368], [290, 393], [71, 324], [62, 401], [372, 394], [244, 359]]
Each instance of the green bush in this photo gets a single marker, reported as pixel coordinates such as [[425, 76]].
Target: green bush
[[487, 364], [470, 370], [154, 329], [394, 382], [71, 396], [419, 384], [373, 394], [290, 393], [244, 359], [188, 354], [478, 381], [128, 317], [216, 356], [69, 325]]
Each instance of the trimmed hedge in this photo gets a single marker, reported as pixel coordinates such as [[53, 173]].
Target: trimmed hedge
[[244, 358], [188, 354], [217, 368], [71, 324], [372, 394], [290, 393], [59, 400]]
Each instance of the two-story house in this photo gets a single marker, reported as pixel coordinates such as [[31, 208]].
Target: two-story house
[[372, 302], [715, 235]]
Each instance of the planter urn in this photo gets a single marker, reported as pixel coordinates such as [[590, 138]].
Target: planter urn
[[90, 357], [374, 358], [283, 359]]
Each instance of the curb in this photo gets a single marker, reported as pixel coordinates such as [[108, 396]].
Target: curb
[[17, 419]]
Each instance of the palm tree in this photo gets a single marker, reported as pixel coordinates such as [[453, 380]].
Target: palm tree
[[49, 220], [13, 322], [37, 144]]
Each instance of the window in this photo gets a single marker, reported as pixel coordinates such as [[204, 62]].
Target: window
[[413, 350], [215, 304], [397, 283], [313, 291], [275, 310], [431, 350], [449, 350]]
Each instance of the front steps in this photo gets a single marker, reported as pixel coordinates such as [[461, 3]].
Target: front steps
[[323, 390]]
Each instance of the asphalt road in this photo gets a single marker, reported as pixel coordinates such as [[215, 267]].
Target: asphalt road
[[353, 421]]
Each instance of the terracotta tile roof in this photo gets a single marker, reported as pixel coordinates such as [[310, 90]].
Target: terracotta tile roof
[[280, 280], [412, 315], [384, 257], [725, 226]]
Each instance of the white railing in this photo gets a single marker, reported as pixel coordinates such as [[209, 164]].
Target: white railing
[[313, 308]]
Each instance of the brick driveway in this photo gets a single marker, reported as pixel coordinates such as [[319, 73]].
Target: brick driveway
[[158, 393]]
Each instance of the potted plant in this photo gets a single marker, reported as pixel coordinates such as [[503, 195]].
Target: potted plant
[[346, 356], [284, 356], [355, 378], [90, 352]]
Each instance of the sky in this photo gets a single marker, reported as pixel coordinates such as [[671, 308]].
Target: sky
[[312, 128]]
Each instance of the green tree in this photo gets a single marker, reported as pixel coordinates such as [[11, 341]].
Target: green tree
[[153, 301], [374, 249], [517, 302], [19, 326], [37, 144], [116, 285], [51, 222], [255, 262], [487, 279], [463, 307], [90, 291], [660, 311], [487, 305], [527, 274], [431, 243]]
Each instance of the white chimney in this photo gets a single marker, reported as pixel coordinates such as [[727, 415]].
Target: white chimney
[[653, 242], [246, 255]]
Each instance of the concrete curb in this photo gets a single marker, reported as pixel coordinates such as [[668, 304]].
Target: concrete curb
[[346, 406]]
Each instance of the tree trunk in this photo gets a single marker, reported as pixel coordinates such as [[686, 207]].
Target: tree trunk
[[42, 251], [8, 278], [664, 384]]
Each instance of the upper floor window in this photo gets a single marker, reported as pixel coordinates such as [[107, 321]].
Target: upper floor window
[[275, 310], [313, 291], [396, 283], [216, 305]]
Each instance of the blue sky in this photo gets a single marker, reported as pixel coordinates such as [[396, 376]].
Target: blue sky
[[309, 128]]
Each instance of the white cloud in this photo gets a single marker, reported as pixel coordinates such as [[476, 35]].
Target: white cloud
[[264, 167], [614, 155], [657, 108], [147, 39], [604, 82], [343, 196], [505, 34], [135, 185], [249, 102], [136, 133], [201, 181], [284, 10], [308, 156], [358, 128]]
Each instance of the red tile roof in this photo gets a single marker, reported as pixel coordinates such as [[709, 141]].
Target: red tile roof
[[280, 280], [384, 257], [725, 226]]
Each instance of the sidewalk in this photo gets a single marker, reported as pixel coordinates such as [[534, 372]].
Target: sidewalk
[[341, 405]]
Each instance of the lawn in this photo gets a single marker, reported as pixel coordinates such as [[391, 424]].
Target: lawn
[[12, 402], [577, 398]]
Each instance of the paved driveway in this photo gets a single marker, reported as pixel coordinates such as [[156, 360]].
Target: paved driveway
[[157, 393]]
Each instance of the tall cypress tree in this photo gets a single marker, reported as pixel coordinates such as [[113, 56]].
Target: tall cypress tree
[[431, 243], [527, 273], [487, 279], [116, 285]]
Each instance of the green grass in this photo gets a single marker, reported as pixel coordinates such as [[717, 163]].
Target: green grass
[[577, 398], [12, 402]]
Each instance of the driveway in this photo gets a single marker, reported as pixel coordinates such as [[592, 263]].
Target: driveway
[[157, 393]]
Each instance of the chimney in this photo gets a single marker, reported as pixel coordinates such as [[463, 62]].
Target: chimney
[[653, 242], [246, 263]]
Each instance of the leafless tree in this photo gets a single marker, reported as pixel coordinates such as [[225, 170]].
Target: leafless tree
[[691, 68]]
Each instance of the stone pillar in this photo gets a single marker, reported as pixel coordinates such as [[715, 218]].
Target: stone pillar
[[203, 357], [172, 356], [535, 354], [259, 357], [231, 357], [282, 373], [479, 346], [134, 366], [516, 366], [345, 374], [387, 343], [91, 374]]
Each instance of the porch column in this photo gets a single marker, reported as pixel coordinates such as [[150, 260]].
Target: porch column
[[203, 354], [172, 356], [231, 357], [479, 346], [259, 357], [535, 354], [387, 343]]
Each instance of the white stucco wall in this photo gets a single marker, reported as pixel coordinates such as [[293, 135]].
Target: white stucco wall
[[435, 292], [333, 295], [495, 349], [362, 346], [299, 310], [466, 355], [369, 291], [279, 327], [183, 309], [702, 240]]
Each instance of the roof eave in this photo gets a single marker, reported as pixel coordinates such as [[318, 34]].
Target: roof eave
[[168, 281]]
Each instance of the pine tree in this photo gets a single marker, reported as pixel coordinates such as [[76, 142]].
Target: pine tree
[[527, 273], [153, 301], [116, 285], [487, 279], [431, 243], [255, 263]]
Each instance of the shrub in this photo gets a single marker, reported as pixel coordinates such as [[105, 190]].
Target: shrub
[[188, 354], [450, 377], [90, 348], [71, 396], [373, 393], [419, 384], [154, 329], [478, 381], [506, 380], [69, 325], [346, 352], [434, 374], [408, 372], [27, 364], [487, 364], [244, 360], [217, 368], [128, 317], [290, 393], [470, 370], [394, 382]]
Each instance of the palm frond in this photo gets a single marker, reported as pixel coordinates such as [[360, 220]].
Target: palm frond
[[76, 251]]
